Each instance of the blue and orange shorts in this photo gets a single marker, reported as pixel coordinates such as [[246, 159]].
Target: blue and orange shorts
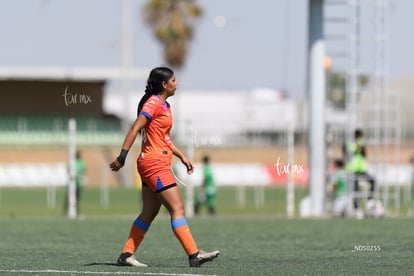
[[156, 173]]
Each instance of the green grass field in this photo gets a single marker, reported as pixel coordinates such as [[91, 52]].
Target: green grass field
[[249, 246], [37, 240], [33, 202]]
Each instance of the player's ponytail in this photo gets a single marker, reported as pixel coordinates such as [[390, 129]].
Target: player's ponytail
[[144, 98], [157, 76]]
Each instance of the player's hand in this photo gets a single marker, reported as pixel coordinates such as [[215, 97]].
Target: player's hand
[[115, 166], [188, 164]]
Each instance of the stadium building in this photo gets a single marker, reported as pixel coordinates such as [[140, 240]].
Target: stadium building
[[37, 104]]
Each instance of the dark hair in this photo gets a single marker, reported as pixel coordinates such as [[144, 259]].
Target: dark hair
[[339, 163], [358, 133], [206, 159], [156, 77]]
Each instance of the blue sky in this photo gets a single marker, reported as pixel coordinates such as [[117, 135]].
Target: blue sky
[[263, 43]]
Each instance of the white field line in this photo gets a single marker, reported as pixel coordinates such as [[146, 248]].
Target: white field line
[[96, 272]]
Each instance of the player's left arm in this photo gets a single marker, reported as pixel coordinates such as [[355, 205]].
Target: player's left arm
[[183, 158]]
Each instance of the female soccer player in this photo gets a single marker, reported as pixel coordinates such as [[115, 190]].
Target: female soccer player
[[154, 120]]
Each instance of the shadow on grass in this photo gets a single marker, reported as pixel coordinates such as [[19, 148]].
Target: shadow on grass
[[102, 264], [153, 264]]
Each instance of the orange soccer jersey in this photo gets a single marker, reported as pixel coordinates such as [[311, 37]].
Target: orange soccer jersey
[[154, 162], [156, 134]]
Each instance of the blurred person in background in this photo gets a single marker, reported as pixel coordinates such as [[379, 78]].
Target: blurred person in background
[[80, 170], [355, 154], [154, 121], [339, 189], [207, 195]]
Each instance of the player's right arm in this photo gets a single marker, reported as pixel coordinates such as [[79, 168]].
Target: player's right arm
[[129, 140]]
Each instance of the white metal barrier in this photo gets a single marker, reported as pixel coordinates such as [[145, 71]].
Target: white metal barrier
[[33, 174]]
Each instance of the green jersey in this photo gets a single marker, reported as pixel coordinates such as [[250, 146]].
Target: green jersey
[[340, 183], [80, 169], [358, 163], [208, 180]]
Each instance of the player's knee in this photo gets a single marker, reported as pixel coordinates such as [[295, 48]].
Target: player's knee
[[148, 215], [177, 210]]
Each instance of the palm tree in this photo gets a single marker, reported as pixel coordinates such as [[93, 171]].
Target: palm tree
[[172, 24]]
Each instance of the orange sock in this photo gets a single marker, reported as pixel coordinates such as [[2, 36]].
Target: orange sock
[[183, 234], [136, 235]]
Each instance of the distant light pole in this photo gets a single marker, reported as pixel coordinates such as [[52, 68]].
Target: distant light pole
[[126, 57], [126, 64]]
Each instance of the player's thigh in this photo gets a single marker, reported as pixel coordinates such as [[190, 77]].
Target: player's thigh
[[171, 199], [151, 204]]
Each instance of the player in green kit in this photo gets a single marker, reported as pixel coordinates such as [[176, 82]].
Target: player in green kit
[[356, 156], [80, 170], [340, 189], [208, 194]]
